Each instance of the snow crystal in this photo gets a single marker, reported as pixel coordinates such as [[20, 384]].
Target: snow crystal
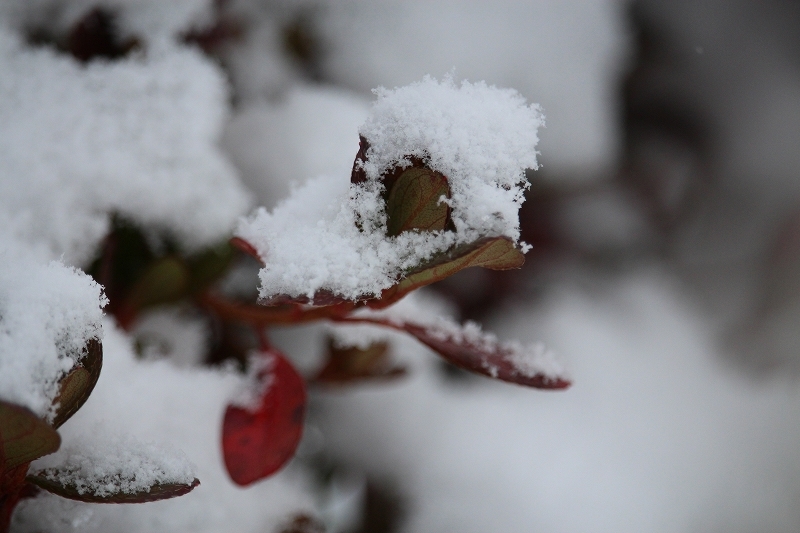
[[48, 312], [103, 464], [332, 235], [135, 137]]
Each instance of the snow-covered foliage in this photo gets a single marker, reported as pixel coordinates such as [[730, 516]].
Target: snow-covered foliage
[[103, 464], [179, 409], [135, 138], [48, 312], [659, 432], [332, 235]]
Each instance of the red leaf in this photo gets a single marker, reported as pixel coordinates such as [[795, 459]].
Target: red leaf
[[23, 436], [260, 315], [482, 353], [246, 247], [257, 442]]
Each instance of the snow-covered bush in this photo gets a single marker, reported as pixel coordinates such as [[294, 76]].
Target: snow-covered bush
[[123, 179]]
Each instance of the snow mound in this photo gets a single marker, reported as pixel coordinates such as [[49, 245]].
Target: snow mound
[[330, 234], [135, 137]]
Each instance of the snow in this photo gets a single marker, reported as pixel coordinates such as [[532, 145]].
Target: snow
[[48, 311], [481, 137], [104, 464], [149, 19], [173, 333], [136, 137], [331, 235], [655, 435], [312, 131]]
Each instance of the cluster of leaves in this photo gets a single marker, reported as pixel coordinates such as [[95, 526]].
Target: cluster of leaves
[[412, 198], [25, 437], [260, 438]]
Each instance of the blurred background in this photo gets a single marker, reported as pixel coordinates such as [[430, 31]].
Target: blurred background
[[665, 269]]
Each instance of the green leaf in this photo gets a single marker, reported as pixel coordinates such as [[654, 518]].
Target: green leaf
[[156, 492], [78, 384], [165, 280], [495, 253], [414, 202], [23, 436], [208, 266]]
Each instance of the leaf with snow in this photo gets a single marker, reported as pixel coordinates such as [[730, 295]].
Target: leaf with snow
[[497, 253], [23, 436], [261, 433], [50, 481], [114, 468], [440, 168], [76, 386], [468, 347]]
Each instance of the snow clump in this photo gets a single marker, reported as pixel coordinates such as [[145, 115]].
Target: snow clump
[[480, 137], [48, 312]]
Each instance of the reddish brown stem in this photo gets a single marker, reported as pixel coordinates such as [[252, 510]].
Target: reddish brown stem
[[12, 485]]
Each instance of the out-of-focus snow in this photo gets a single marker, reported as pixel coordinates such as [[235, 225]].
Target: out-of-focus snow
[[656, 434], [175, 334], [183, 408], [565, 55], [48, 312], [312, 131], [135, 137], [152, 20], [331, 235]]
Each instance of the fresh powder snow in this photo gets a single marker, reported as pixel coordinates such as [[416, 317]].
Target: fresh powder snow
[[136, 137], [48, 311], [331, 235], [103, 464]]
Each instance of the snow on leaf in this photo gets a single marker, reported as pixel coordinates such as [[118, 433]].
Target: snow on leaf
[[258, 439], [468, 347], [23, 436], [496, 253], [49, 481], [76, 386], [101, 466], [440, 167]]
